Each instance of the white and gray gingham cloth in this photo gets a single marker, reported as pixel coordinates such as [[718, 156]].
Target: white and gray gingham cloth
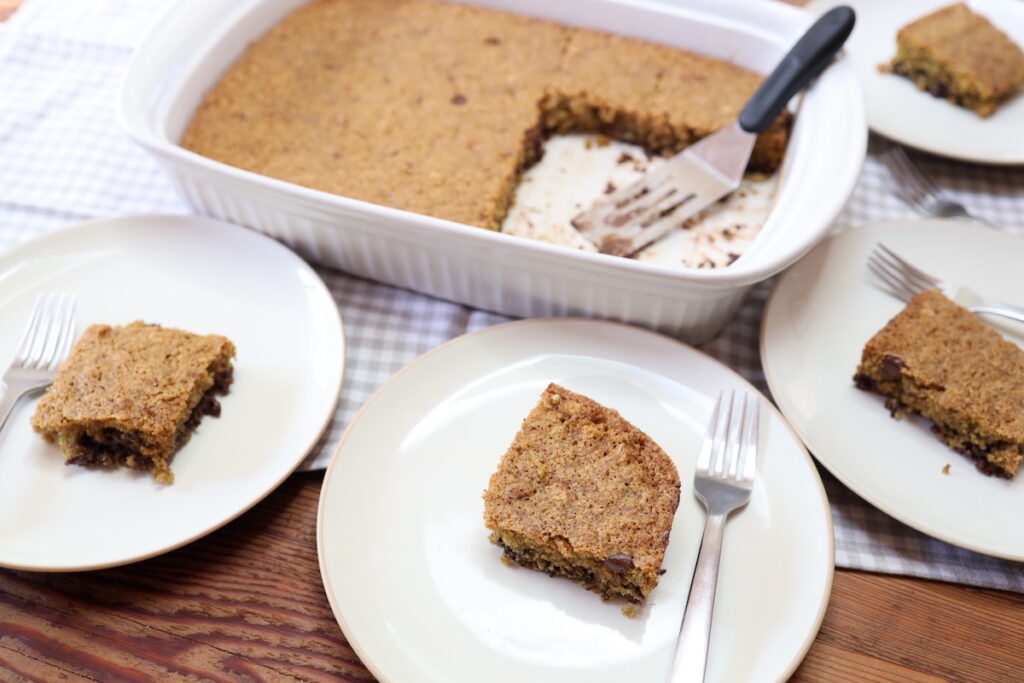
[[63, 159]]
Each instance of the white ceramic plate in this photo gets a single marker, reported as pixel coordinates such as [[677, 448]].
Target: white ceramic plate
[[898, 110], [204, 276], [818, 319], [423, 596]]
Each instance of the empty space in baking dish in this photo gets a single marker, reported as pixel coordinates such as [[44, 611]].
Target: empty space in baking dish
[[576, 170]]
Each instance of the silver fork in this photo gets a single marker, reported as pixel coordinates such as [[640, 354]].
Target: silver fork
[[918, 191], [723, 481], [44, 346], [904, 281]]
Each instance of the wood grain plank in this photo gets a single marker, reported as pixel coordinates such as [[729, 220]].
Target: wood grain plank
[[246, 603], [7, 8], [227, 607], [829, 664], [950, 631], [20, 668]]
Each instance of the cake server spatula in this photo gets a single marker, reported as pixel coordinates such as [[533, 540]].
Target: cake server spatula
[[634, 216]]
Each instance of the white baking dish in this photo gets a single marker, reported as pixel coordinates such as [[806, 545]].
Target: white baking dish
[[192, 46]]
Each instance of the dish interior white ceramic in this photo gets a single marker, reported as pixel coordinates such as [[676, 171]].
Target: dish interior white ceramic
[[196, 274], [898, 110], [421, 593], [817, 321]]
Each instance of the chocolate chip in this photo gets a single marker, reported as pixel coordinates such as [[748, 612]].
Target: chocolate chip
[[619, 563], [892, 367], [864, 382], [492, 40], [459, 98]]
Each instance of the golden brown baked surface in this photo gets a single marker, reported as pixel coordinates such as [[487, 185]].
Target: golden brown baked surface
[[937, 359], [437, 107], [131, 395], [584, 494], [959, 55]]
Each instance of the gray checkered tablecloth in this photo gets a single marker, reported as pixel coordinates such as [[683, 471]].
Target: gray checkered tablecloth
[[63, 159]]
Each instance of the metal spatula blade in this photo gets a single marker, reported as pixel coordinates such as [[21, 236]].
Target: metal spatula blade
[[632, 217]]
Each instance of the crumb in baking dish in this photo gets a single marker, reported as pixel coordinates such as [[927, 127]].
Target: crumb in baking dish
[[132, 395], [575, 169], [581, 493]]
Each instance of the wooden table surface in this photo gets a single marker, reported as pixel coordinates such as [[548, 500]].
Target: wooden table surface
[[246, 604]]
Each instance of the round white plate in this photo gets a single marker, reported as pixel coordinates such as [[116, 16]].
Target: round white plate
[[822, 312], [898, 110], [421, 593], [197, 274]]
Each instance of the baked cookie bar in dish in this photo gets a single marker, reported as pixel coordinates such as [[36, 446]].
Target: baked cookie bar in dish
[[939, 360], [132, 395], [959, 55], [582, 493], [439, 107]]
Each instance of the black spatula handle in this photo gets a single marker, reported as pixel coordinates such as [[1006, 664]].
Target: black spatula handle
[[809, 57]]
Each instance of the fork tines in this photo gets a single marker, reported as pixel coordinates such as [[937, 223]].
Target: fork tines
[[729, 450], [914, 187], [50, 332], [901, 279]]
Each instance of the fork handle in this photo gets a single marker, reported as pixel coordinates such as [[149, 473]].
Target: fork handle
[[690, 662], [1001, 309], [8, 397], [807, 58]]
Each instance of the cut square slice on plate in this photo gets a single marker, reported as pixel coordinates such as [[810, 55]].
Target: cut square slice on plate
[[938, 360], [582, 493], [132, 395], [959, 55]]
